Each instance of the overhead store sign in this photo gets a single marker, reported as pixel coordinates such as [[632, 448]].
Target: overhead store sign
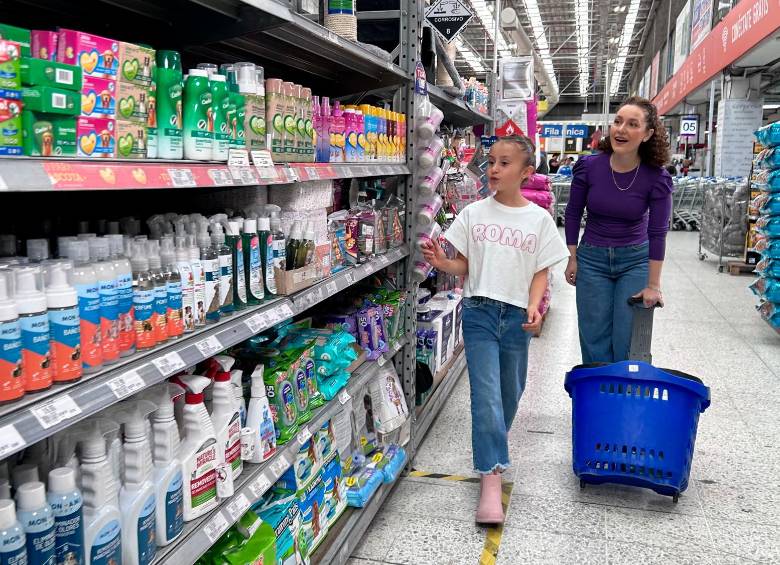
[[556, 130], [448, 18], [682, 36], [700, 21], [745, 26], [689, 126]]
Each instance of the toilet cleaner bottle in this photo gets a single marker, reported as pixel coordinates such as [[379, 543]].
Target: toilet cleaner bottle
[[102, 520], [63, 306], [168, 478], [225, 413], [13, 550], [37, 519], [109, 304], [199, 454], [11, 374], [66, 503], [124, 294], [137, 501], [34, 320]]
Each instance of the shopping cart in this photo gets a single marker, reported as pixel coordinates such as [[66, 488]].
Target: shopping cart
[[687, 204], [632, 423]]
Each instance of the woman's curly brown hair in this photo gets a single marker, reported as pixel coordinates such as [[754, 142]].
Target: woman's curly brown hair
[[654, 151]]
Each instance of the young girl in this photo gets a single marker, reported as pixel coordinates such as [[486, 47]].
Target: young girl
[[505, 246]]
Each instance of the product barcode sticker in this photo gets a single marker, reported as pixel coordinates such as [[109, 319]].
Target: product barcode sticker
[[221, 177], [257, 322], [63, 76], [217, 526], [209, 346], [304, 435], [344, 397], [260, 485], [313, 173], [332, 288], [169, 364], [59, 100], [10, 440], [280, 466], [56, 410], [243, 175], [238, 506], [126, 384], [182, 178]]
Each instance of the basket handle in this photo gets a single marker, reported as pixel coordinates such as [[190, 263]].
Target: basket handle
[[637, 302]]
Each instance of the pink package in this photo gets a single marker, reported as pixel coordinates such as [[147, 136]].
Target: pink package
[[96, 137], [540, 197], [98, 97], [539, 182], [43, 44], [97, 56]]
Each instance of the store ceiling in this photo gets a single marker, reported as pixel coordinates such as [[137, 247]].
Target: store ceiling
[[606, 23]]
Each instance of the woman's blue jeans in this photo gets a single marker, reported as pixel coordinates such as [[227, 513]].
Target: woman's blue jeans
[[606, 278], [497, 357]]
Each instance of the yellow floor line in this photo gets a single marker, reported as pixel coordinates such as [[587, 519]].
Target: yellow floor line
[[495, 533]]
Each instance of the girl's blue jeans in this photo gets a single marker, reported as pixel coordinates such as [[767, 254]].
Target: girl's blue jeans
[[497, 357], [606, 278]]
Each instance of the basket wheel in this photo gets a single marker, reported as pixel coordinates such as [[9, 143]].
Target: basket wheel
[[676, 498], [582, 483]]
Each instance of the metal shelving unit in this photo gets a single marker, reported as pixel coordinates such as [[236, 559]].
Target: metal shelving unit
[[456, 111]]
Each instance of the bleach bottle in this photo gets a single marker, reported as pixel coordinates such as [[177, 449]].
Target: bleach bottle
[[37, 519], [137, 501], [13, 549], [66, 502]]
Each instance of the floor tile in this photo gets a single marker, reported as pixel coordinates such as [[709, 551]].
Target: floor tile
[[556, 516], [525, 546], [747, 541], [379, 537], [435, 541], [659, 529], [435, 498], [622, 553]]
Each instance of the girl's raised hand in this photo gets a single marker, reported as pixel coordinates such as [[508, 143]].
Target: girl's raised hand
[[434, 254]]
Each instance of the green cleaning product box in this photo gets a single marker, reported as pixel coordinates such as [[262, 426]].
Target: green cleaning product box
[[19, 35], [136, 64], [38, 72], [48, 135], [131, 103], [130, 140], [10, 126], [51, 100], [10, 59]]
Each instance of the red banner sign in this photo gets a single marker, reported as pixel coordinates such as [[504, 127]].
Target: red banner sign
[[745, 26]]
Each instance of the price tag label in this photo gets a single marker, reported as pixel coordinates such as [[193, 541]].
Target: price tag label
[[313, 173], [332, 288], [344, 397], [221, 177], [349, 278], [243, 175], [345, 172], [381, 360], [285, 311], [56, 410], [126, 384], [292, 175], [217, 526], [268, 174], [238, 158], [280, 466], [332, 37], [384, 260], [10, 440], [368, 269], [304, 435], [257, 322], [262, 159], [274, 316], [182, 178], [209, 346], [169, 364], [238, 506], [260, 485]]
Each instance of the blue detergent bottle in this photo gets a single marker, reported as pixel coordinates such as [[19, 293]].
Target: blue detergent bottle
[[12, 538], [37, 519], [66, 502]]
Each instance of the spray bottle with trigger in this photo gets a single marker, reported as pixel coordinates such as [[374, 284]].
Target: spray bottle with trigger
[[225, 413], [137, 496]]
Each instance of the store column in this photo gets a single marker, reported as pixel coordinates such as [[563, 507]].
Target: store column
[[738, 117]]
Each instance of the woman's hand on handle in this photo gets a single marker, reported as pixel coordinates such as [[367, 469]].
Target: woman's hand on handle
[[534, 323], [650, 297], [571, 271]]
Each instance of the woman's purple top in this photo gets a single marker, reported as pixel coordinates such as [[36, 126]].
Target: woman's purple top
[[618, 218]]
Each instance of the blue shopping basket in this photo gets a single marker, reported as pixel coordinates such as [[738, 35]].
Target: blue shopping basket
[[635, 424]]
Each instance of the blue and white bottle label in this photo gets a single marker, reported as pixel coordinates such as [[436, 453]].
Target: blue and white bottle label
[[174, 507], [69, 533], [16, 556], [40, 545], [107, 549], [147, 546]]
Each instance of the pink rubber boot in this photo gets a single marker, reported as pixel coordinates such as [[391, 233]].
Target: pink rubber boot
[[490, 510]]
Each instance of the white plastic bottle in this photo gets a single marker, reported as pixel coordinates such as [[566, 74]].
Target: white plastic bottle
[[173, 314], [86, 283], [226, 416], [199, 453], [37, 519], [260, 419], [13, 549], [11, 376], [66, 503], [102, 520], [198, 282], [124, 294], [238, 388], [34, 320], [168, 478], [226, 305], [160, 291], [187, 283], [209, 258], [109, 305], [137, 501]]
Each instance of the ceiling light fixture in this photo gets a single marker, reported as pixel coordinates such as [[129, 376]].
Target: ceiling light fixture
[[583, 44], [472, 59], [486, 17], [623, 46], [532, 10]]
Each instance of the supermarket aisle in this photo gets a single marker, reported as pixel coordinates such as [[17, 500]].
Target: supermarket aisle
[[731, 510]]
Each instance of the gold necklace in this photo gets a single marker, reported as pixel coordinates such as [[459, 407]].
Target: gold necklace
[[620, 188]]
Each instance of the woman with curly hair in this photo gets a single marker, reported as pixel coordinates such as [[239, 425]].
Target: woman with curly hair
[[628, 195]]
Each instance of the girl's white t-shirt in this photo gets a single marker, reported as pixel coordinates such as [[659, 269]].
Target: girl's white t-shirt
[[505, 247]]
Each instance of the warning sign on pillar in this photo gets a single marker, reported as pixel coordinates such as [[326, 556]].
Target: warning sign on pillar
[[448, 17]]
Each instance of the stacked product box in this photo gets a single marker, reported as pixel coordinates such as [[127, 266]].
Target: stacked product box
[[132, 104], [10, 102]]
